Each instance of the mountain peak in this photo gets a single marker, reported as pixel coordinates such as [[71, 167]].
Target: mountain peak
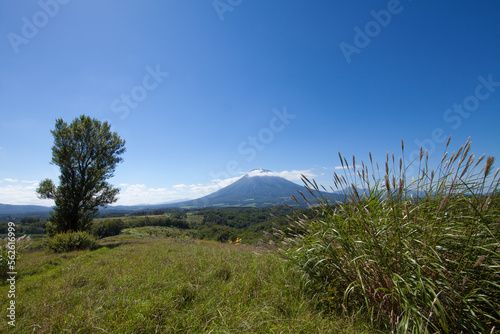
[[259, 172]]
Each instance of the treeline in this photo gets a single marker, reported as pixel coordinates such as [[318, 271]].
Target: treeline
[[26, 225], [109, 227], [237, 218], [177, 213], [15, 217], [220, 224], [229, 224]]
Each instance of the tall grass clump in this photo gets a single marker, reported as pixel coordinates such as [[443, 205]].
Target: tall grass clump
[[419, 256], [71, 241]]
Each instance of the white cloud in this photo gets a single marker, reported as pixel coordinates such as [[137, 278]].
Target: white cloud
[[21, 193], [141, 194], [219, 183], [293, 175], [132, 194], [200, 190], [345, 167], [10, 180]]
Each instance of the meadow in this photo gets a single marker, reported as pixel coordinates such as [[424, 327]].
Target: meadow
[[138, 282]]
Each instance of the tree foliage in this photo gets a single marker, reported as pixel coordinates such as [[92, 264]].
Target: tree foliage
[[86, 152]]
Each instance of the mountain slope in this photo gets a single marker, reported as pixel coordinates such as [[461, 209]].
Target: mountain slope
[[259, 190]]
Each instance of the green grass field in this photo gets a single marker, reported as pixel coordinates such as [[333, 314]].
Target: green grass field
[[161, 285]]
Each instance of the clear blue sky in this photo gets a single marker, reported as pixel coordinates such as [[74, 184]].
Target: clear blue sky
[[203, 91]]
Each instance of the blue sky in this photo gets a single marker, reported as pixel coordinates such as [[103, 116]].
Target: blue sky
[[204, 91]]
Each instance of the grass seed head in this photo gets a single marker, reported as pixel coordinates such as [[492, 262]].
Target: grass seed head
[[387, 185], [444, 203], [479, 160], [401, 185], [487, 166], [444, 157], [480, 261], [458, 153]]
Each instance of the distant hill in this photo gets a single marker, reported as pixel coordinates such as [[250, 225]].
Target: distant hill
[[8, 209], [10, 212], [256, 190]]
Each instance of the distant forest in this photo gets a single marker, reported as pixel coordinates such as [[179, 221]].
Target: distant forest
[[220, 224]]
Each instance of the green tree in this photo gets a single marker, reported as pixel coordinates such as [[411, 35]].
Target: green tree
[[87, 153]]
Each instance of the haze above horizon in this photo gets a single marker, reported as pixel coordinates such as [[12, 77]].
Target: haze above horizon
[[204, 92]]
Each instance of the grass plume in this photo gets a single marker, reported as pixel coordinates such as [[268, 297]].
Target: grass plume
[[418, 257]]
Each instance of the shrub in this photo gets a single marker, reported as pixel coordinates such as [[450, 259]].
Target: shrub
[[107, 227], [419, 256], [51, 229], [71, 241]]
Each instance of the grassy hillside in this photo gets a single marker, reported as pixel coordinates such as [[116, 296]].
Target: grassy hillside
[[162, 285]]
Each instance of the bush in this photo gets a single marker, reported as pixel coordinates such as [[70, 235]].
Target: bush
[[51, 229], [71, 241], [107, 228], [420, 256]]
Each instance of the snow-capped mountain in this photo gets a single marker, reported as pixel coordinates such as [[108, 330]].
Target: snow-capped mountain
[[257, 188]]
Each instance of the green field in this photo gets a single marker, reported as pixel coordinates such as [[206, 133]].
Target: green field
[[149, 284]]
